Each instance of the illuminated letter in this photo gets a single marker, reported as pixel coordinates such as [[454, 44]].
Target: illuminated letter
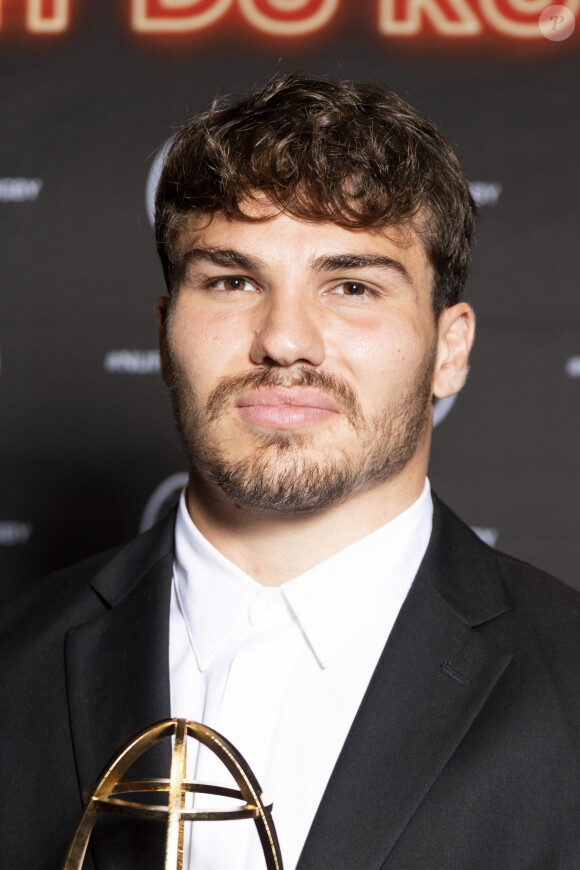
[[288, 17], [464, 23], [47, 16], [518, 26], [176, 16]]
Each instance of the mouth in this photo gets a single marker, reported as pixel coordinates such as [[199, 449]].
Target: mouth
[[287, 407]]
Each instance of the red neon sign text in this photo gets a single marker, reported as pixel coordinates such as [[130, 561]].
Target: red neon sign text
[[279, 17], [293, 18], [45, 16], [515, 18]]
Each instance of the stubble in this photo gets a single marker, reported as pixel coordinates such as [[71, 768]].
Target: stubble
[[284, 471]]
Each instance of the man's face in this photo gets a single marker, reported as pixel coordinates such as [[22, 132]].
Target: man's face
[[301, 359]]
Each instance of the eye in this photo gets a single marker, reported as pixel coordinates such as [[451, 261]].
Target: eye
[[353, 289], [231, 284], [234, 282]]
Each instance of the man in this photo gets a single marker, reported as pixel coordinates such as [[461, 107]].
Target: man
[[407, 697]]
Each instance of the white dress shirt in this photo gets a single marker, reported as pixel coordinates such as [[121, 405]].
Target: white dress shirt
[[280, 671]]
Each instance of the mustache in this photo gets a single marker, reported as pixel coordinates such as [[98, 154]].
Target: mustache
[[232, 387]]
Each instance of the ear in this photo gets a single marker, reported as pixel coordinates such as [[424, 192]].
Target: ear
[[162, 315], [455, 339]]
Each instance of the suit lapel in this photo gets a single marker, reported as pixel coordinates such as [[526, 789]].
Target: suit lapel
[[118, 677], [431, 682]]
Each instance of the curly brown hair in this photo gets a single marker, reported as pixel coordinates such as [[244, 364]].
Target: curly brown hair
[[354, 154]]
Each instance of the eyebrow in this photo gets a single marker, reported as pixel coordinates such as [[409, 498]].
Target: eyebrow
[[337, 262], [230, 258], [227, 258]]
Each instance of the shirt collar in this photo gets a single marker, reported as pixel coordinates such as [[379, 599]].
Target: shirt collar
[[211, 590], [333, 601]]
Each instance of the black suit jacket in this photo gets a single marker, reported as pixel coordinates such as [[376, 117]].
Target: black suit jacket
[[463, 754]]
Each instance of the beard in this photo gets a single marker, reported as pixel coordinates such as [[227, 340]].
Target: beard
[[281, 474]]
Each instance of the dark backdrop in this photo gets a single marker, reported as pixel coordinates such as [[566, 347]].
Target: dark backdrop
[[89, 92]]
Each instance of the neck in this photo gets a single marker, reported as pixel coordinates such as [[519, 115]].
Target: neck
[[272, 546]]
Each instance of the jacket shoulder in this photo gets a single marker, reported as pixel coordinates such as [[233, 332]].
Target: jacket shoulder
[[527, 611], [80, 591], [479, 581], [529, 585], [550, 608]]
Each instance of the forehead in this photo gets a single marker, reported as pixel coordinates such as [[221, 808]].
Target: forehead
[[279, 235]]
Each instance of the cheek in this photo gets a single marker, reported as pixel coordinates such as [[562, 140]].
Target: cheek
[[380, 351], [205, 345]]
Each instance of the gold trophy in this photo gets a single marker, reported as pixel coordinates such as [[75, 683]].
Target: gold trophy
[[108, 794]]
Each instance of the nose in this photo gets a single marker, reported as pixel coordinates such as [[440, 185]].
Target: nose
[[289, 332]]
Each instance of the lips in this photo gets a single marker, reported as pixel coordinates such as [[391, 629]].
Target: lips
[[287, 407], [293, 396]]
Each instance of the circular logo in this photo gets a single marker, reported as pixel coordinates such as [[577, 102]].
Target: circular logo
[[153, 180], [163, 499], [557, 23], [442, 408]]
